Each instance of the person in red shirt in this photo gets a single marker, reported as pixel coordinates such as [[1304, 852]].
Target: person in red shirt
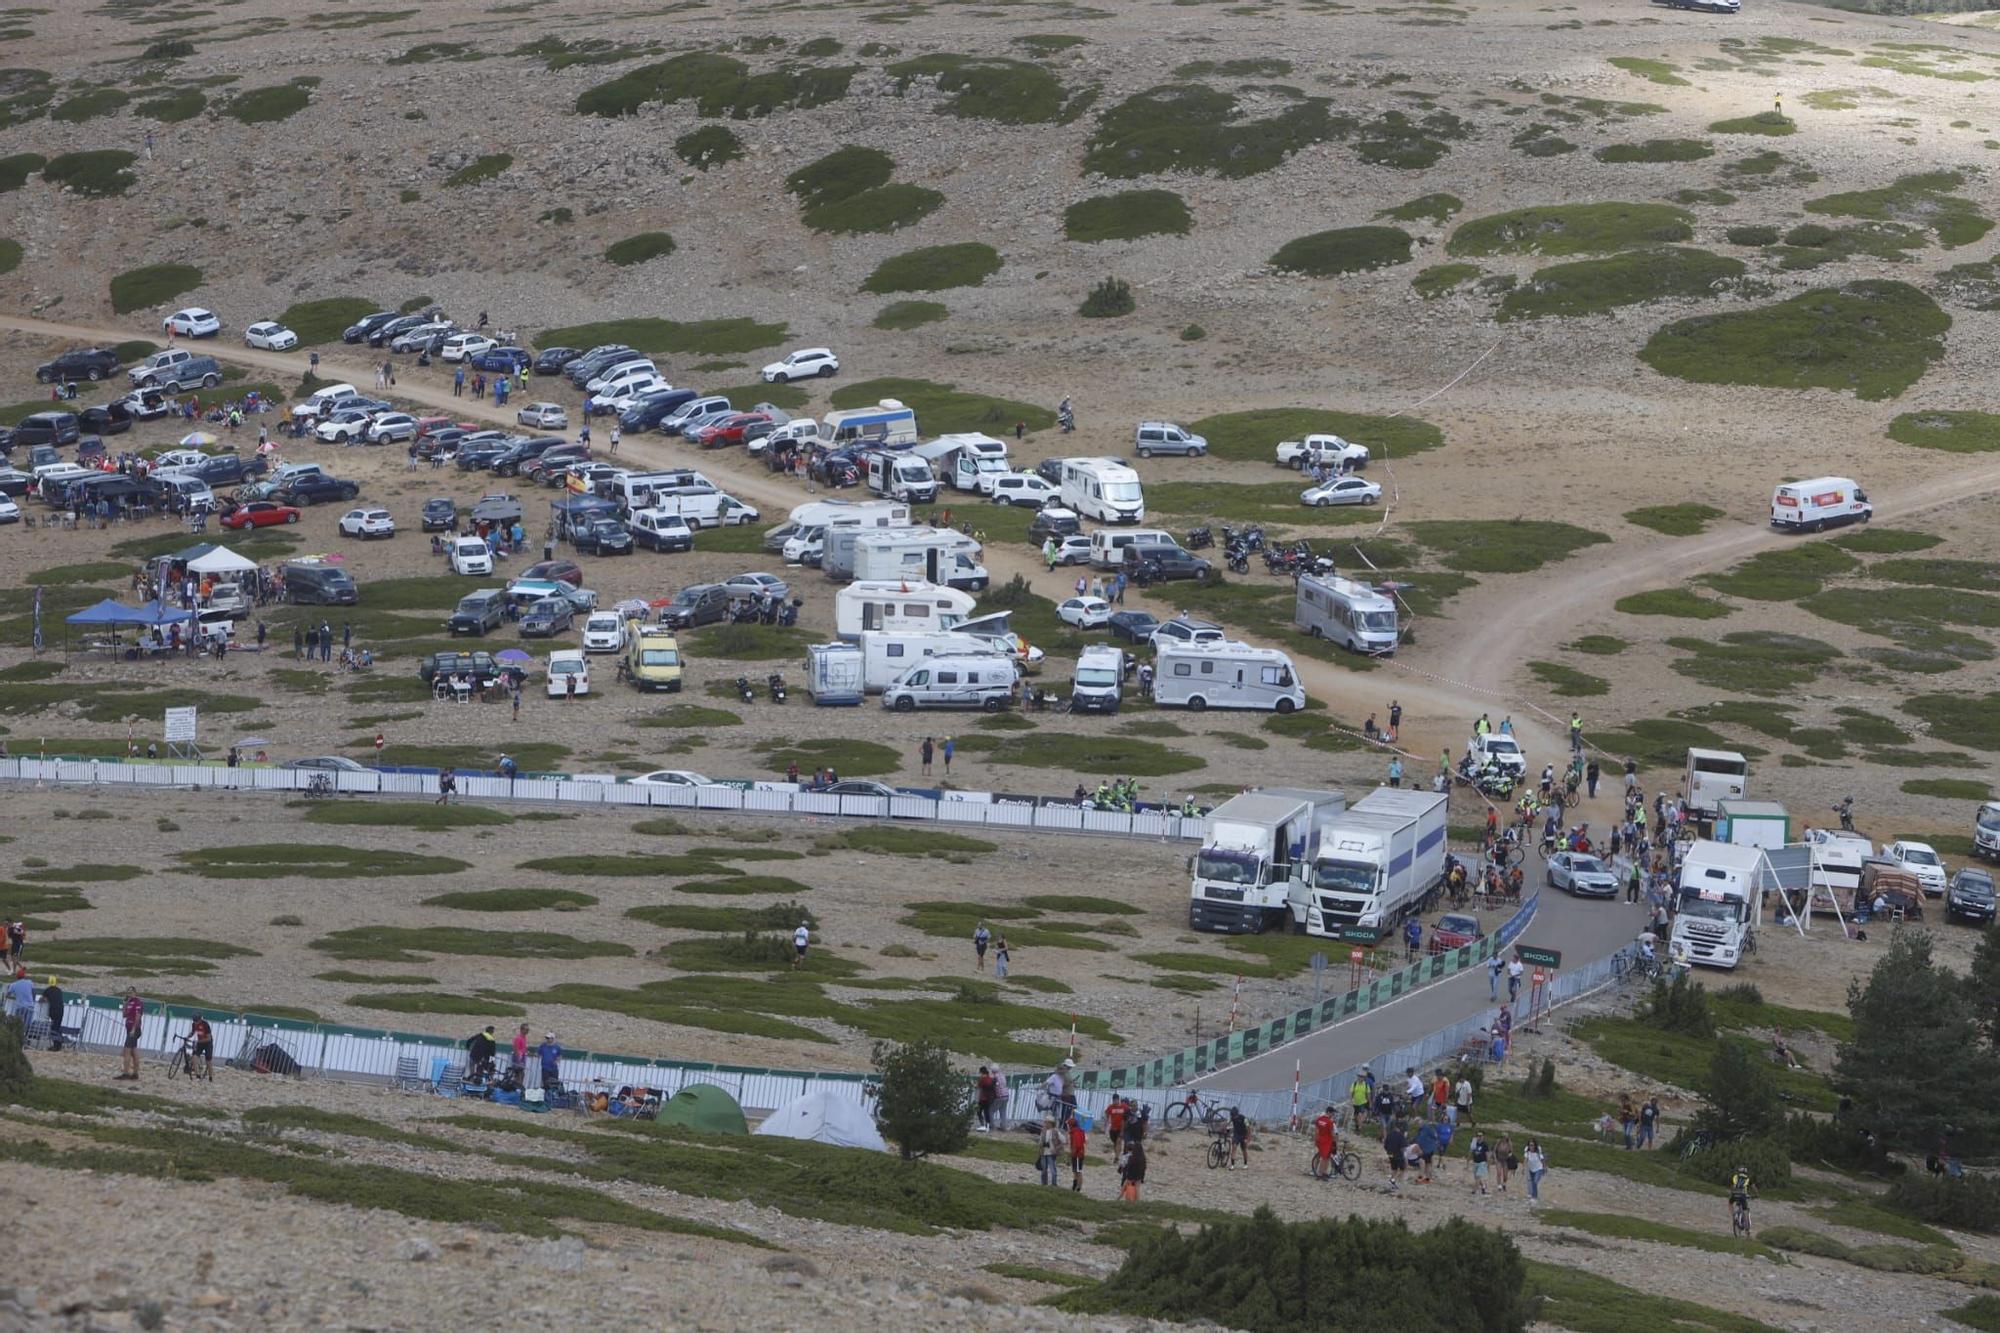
[[1440, 1094], [1323, 1144], [1077, 1143], [1114, 1122]]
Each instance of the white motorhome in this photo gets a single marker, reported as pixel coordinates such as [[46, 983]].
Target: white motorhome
[[1100, 670], [1376, 863], [1714, 776], [1721, 901], [1103, 489], [838, 513], [930, 555], [966, 462], [833, 674], [886, 654], [1225, 674], [889, 423], [900, 476], [1258, 846], [983, 681], [1837, 857], [635, 490], [1986, 831], [1822, 502], [899, 607], [1107, 547], [1351, 614]]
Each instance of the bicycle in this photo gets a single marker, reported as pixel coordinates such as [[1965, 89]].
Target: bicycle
[[1700, 1141], [182, 1060], [1196, 1109], [1739, 1216], [319, 787], [1345, 1164], [1218, 1147]]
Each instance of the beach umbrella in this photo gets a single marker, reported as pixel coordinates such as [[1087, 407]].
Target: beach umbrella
[[197, 439], [512, 655]]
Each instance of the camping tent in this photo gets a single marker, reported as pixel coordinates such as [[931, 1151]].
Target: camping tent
[[705, 1107], [824, 1118], [220, 560]]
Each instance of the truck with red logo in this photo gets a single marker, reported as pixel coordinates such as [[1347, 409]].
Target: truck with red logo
[[1823, 502]]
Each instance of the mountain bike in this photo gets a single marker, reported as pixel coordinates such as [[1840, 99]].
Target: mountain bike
[[182, 1061], [1345, 1164], [1196, 1109], [1739, 1216]]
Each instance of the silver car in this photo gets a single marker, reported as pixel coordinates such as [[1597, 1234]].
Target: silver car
[[757, 585], [543, 416], [1582, 875]]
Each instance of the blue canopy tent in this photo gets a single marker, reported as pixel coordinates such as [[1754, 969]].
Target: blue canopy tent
[[114, 614]]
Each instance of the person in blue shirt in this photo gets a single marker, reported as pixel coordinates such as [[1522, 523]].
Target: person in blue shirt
[[551, 1057]]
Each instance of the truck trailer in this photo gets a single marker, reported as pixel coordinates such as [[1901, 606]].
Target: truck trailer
[[1376, 864], [1258, 849]]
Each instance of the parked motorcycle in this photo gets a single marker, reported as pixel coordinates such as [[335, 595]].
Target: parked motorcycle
[[776, 681], [745, 690], [1846, 812], [1198, 538], [789, 615]]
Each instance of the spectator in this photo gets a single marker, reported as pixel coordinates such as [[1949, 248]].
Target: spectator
[[1479, 1155], [801, 941], [1133, 1173], [1538, 1166], [1077, 1144], [924, 753], [551, 1057], [133, 1011], [1394, 1140], [949, 748], [53, 1003], [1001, 956], [988, 1090], [1426, 1146], [981, 937], [1049, 1147], [1649, 1121], [1502, 1154], [520, 1069], [1463, 1095]]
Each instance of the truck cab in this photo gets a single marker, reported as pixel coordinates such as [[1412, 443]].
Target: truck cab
[[1376, 863], [1258, 845], [1986, 832], [1721, 901]]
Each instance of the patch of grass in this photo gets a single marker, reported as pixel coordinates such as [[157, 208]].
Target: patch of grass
[[264, 106], [89, 105], [1673, 602], [611, 865], [512, 900], [1678, 520], [351, 978], [1656, 150], [98, 173], [1652, 71], [1757, 235], [1949, 789], [841, 174], [683, 717], [1595, 286], [434, 1002], [155, 284], [1957, 432], [1031, 1273], [1773, 123], [935, 268], [709, 147], [1327, 254], [995, 88], [890, 208], [279, 1118], [1495, 546], [16, 168], [87, 873], [639, 249], [147, 956], [1242, 437], [173, 107], [850, 758], [708, 337], [1123, 755], [1190, 127], [1871, 338], [1673, 1057], [1567, 681], [689, 916], [1598, 645], [280, 860], [1968, 574], [390, 944], [1981, 1312], [1789, 575], [407, 814], [1439, 208], [480, 169], [942, 408], [1540, 140], [1440, 279], [1662, 743], [323, 321], [891, 840], [1572, 229], [1127, 215], [1586, 1303], [900, 316], [1924, 200], [1968, 720], [719, 86]]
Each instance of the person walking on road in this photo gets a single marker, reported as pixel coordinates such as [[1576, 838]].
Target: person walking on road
[[1537, 1165], [1591, 773], [1493, 966], [1513, 979]]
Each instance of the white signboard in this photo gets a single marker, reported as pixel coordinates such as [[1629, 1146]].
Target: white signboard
[[180, 726]]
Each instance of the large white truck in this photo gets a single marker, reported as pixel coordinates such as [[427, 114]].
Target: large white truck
[[1714, 776], [1258, 850], [966, 462], [1375, 864], [1721, 901], [1986, 831]]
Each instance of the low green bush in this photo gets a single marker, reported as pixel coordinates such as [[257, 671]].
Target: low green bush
[[153, 285], [1327, 254], [264, 106], [934, 268], [1108, 300], [1127, 216]]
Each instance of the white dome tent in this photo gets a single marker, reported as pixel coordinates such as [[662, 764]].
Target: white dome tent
[[824, 1118]]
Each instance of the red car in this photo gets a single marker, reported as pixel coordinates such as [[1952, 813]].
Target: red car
[[426, 425], [1454, 929], [555, 571], [260, 514], [729, 430]]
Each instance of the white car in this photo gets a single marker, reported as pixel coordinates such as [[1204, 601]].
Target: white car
[[621, 395], [604, 632], [1920, 859], [568, 667], [470, 556], [462, 345], [1314, 450], [367, 523], [672, 777], [631, 368], [1581, 876], [1085, 612], [193, 322], [1021, 488], [9, 511], [1073, 549], [271, 336], [1342, 491], [543, 416], [1499, 749], [804, 364], [388, 427], [342, 427]]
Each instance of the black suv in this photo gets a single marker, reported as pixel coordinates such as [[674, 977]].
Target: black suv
[[1970, 897], [359, 330], [696, 604], [1152, 563], [479, 456], [313, 489], [383, 333], [509, 463], [593, 363], [552, 359], [606, 536], [440, 515], [481, 667], [1055, 522], [83, 363]]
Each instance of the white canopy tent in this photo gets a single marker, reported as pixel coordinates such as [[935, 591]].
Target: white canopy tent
[[825, 1118], [221, 560]]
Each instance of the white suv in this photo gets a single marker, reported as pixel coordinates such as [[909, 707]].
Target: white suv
[[462, 345], [193, 322], [470, 556], [388, 427], [367, 523], [1021, 488], [804, 364]]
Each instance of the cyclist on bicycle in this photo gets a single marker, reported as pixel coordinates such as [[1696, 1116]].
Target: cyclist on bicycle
[[201, 1046], [1740, 1190], [1325, 1139]]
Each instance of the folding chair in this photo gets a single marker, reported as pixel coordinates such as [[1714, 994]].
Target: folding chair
[[410, 1074], [451, 1081]]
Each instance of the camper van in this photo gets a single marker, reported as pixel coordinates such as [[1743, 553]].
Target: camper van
[[930, 555], [1107, 548], [899, 607], [1351, 614], [949, 681], [1228, 674], [1100, 669], [967, 462], [838, 513], [833, 674], [635, 490], [885, 655], [1823, 502], [889, 423], [899, 476], [1103, 489]]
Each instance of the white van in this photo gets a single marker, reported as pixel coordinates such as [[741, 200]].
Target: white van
[[1823, 502], [625, 368], [704, 508], [567, 665], [1107, 548], [1229, 674], [325, 399], [192, 493], [885, 654], [1103, 489], [1100, 670], [985, 682], [898, 607]]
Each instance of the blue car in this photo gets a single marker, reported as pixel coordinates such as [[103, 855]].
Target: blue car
[[502, 360]]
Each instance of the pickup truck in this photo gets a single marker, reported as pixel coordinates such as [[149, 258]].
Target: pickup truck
[[1314, 450], [174, 369], [228, 469]]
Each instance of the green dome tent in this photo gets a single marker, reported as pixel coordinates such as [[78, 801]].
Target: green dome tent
[[705, 1107]]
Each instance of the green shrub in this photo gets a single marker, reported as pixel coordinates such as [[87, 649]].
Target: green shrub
[[1442, 279], [709, 147], [1970, 1204], [923, 1101], [1767, 1160], [89, 105], [1958, 432], [279, 860], [889, 208], [480, 169], [1572, 229], [1438, 208], [1681, 520], [640, 248], [934, 268], [1653, 71], [1595, 286], [1757, 234], [324, 320], [16, 168], [1925, 199], [156, 284], [1656, 150], [511, 900], [1108, 300], [718, 85], [10, 255], [1680, 1007], [262, 106], [1193, 333], [841, 174], [995, 88], [1981, 1312], [1327, 254], [98, 174], [1187, 127], [903, 315], [1774, 123], [1127, 216]]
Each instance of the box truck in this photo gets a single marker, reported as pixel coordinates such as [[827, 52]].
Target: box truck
[[1752, 823], [1714, 776], [1257, 852], [1375, 864], [1823, 502], [1721, 893]]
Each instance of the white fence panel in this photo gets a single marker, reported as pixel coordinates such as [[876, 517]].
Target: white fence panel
[[718, 797], [1106, 821], [1011, 814], [369, 1057], [1059, 817], [625, 794], [408, 784], [581, 793], [962, 812], [913, 807], [1149, 826], [770, 802], [867, 807], [815, 803]]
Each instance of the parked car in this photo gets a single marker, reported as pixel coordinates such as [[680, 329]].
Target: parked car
[[480, 667], [501, 360], [343, 427], [603, 536], [1455, 930], [549, 616], [52, 428], [1051, 470], [391, 428], [858, 787], [113, 418], [367, 324], [462, 345], [367, 523], [260, 514], [1164, 437], [806, 363], [543, 416], [603, 632], [551, 360], [318, 490], [1053, 521], [757, 585], [661, 531], [1023, 489], [193, 322], [568, 673], [9, 511], [728, 430], [1342, 491], [79, 363], [1581, 875], [271, 336], [509, 462], [550, 467], [425, 337], [1085, 612], [229, 469], [478, 612], [555, 571], [1921, 860], [1182, 629], [325, 763], [439, 515], [1164, 562], [13, 481], [672, 777], [1970, 897], [469, 556], [696, 604]]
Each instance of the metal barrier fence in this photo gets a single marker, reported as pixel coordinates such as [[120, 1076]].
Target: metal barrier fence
[[985, 809]]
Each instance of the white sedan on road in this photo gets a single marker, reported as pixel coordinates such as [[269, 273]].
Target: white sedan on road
[[672, 777], [543, 416], [271, 336], [1085, 612], [1343, 491], [367, 523], [1582, 875], [193, 322]]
